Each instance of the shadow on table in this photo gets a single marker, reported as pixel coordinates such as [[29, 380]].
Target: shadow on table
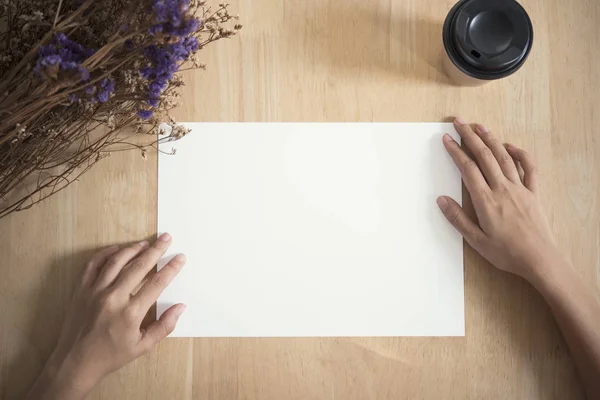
[[41, 332], [363, 39]]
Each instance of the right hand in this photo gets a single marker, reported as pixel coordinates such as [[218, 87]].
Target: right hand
[[512, 232]]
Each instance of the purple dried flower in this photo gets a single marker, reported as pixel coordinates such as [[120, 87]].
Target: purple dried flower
[[191, 44], [47, 50], [161, 81], [75, 47], [155, 29], [155, 89], [175, 21], [160, 12], [102, 90], [170, 17], [83, 73], [66, 53], [109, 87], [189, 27], [67, 64], [103, 97], [50, 60], [146, 72], [179, 52], [145, 114], [150, 51], [61, 39]]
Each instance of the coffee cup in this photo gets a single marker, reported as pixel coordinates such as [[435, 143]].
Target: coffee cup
[[485, 40]]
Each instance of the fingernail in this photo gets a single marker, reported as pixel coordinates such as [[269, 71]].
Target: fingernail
[[447, 138], [112, 247], [144, 243], [482, 129], [509, 146], [180, 310], [442, 203], [459, 121], [165, 237], [179, 258]]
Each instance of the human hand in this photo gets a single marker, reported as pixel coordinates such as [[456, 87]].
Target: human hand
[[512, 232], [102, 328]]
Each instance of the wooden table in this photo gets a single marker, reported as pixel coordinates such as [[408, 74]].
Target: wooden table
[[339, 60]]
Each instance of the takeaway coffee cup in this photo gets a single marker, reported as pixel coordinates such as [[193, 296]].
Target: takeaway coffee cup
[[485, 40]]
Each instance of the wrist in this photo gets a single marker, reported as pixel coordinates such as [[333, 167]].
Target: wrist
[[63, 378], [548, 270]]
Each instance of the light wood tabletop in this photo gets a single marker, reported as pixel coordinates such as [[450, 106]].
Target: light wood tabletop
[[339, 60]]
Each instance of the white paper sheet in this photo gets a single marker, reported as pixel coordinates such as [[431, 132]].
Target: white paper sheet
[[312, 229]]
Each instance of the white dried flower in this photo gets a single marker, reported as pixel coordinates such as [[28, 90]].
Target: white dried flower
[[110, 121]]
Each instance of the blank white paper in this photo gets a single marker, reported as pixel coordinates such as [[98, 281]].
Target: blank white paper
[[312, 229]]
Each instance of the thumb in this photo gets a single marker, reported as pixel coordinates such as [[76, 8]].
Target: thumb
[[162, 327], [460, 220]]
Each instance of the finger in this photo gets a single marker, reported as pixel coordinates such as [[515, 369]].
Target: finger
[[505, 161], [92, 268], [461, 221], [162, 327], [154, 286], [484, 156], [138, 268], [530, 171], [518, 167], [113, 265], [471, 174]]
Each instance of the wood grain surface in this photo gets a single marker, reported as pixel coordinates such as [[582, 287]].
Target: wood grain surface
[[339, 60]]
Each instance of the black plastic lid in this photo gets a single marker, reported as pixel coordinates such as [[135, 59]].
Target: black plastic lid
[[488, 39]]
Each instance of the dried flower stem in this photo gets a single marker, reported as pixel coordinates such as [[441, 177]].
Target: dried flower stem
[[56, 123]]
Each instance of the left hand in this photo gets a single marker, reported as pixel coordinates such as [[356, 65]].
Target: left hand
[[102, 328]]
